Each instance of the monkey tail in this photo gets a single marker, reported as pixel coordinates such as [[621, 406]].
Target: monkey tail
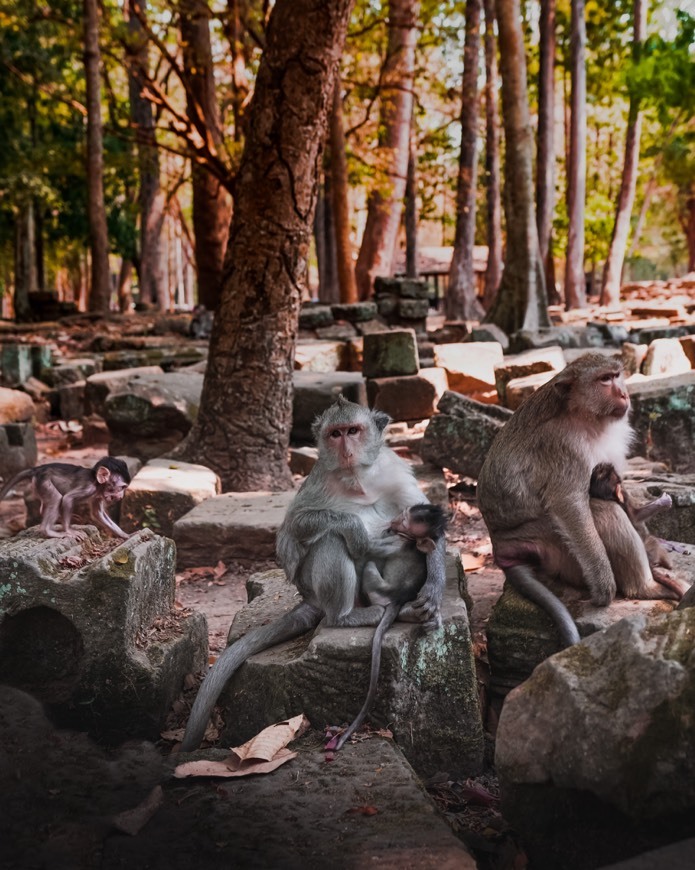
[[523, 580], [387, 620], [293, 624], [27, 474]]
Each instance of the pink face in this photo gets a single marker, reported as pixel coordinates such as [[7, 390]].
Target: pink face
[[115, 489], [346, 442], [614, 396]]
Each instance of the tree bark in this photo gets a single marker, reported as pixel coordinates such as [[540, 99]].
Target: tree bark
[[688, 223], [152, 285], [411, 243], [25, 271], [212, 204], [461, 302], [545, 162], [100, 294], [493, 270], [613, 268], [124, 288], [243, 425], [324, 234], [340, 199], [575, 280], [521, 300], [385, 202]]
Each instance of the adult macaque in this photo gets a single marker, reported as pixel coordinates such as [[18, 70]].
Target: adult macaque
[[63, 487], [533, 492], [392, 578], [355, 489]]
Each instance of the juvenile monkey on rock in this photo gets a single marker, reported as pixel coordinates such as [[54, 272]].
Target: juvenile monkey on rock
[[62, 487], [534, 494], [354, 491]]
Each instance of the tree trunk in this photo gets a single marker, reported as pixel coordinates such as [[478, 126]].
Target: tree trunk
[[243, 425], [340, 200], [324, 234], [493, 270], [521, 301], [25, 272], [233, 29], [150, 195], [545, 163], [688, 223], [411, 244], [386, 201], [212, 203], [124, 289], [613, 268], [575, 281], [461, 302], [96, 212]]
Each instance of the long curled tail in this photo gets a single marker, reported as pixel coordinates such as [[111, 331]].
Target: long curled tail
[[523, 580], [387, 620], [293, 624], [27, 474]]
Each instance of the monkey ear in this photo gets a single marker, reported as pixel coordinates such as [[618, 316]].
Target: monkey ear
[[425, 545], [381, 420], [103, 474]]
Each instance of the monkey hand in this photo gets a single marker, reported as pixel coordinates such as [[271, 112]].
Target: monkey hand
[[426, 606], [602, 587]]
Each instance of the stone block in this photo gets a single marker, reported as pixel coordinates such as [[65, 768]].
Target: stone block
[[16, 406], [164, 490], [234, 526], [663, 416], [101, 385], [391, 353], [71, 372], [17, 364], [17, 448], [167, 358], [303, 459], [89, 627], [452, 332], [633, 356], [406, 398], [427, 691], [339, 331], [320, 356], [314, 392], [519, 389], [490, 332], [530, 362], [665, 356], [71, 399], [355, 312], [413, 309], [470, 366], [311, 316], [677, 523], [41, 355], [408, 288]]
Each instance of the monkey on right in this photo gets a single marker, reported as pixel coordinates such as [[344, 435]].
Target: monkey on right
[[534, 494]]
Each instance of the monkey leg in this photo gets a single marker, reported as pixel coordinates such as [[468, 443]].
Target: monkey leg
[[50, 508]]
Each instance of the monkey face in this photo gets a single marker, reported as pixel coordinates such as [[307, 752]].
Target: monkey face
[[612, 394]]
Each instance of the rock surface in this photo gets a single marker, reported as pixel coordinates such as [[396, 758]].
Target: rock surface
[[663, 416]]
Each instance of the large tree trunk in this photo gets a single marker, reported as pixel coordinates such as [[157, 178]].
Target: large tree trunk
[[575, 281], [243, 425], [493, 270], [153, 289], [386, 201], [545, 163], [212, 203], [613, 268], [340, 200], [96, 212], [521, 301], [461, 302]]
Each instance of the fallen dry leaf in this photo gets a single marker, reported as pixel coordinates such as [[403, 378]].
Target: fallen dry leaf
[[363, 811], [132, 821], [472, 563]]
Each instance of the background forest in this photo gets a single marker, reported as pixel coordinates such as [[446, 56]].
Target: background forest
[[122, 129]]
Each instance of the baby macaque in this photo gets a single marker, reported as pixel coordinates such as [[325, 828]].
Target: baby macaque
[[402, 558], [62, 487]]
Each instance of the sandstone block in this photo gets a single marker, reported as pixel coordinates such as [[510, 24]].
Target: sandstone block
[[405, 398], [100, 385], [17, 448], [320, 356], [665, 356], [311, 316], [355, 312], [519, 389], [15, 406], [470, 366], [391, 353], [663, 415], [316, 391]]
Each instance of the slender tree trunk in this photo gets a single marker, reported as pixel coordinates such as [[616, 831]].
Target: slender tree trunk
[[386, 202], [243, 425], [461, 302], [96, 212], [521, 301], [649, 189], [493, 270], [545, 163], [688, 223], [340, 199], [240, 82], [324, 232], [125, 276], [150, 195], [411, 221], [212, 203], [613, 268], [25, 272], [575, 280]]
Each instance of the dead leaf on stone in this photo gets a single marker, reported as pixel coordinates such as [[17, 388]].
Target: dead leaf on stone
[[472, 563], [121, 558], [362, 811], [262, 754], [132, 821]]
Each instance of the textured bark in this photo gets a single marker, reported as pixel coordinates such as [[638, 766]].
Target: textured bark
[[575, 281], [461, 302], [25, 271], [233, 29], [243, 425], [152, 283], [493, 270], [100, 291], [324, 235], [124, 289], [521, 301], [385, 203], [340, 201], [545, 163], [411, 246], [212, 203], [688, 223], [613, 268]]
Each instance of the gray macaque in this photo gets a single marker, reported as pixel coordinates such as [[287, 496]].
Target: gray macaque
[[355, 489], [392, 577], [62, 487], [533, 492]]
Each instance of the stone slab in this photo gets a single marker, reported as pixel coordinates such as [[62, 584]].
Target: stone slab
[[315, 392]]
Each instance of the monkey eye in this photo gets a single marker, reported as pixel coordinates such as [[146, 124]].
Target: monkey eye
[[336, 433], [353, 430], [606, 379]]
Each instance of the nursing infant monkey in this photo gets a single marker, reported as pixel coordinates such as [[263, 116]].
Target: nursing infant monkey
[[332, 529], [534, 492], [63, 487]]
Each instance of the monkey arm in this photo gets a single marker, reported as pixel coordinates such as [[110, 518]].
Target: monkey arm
[[311, 525], [427, 604], [101, 518]]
